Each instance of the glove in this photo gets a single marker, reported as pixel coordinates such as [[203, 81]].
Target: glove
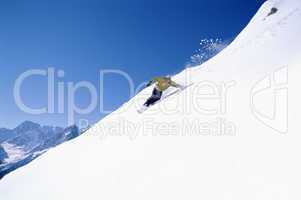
[[149, 84]]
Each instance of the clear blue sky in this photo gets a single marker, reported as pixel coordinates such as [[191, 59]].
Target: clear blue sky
[[142, 37]]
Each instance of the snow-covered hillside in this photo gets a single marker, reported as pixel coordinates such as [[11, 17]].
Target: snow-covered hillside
[[233, 135]]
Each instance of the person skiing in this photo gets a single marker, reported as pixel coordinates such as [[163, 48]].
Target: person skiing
[[162, 84]]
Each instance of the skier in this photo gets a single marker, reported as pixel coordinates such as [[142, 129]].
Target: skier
[[162, 84]]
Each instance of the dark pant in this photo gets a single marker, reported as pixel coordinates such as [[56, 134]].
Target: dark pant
[[156, 96]]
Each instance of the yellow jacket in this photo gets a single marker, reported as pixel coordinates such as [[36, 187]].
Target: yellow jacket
[[162, 83]]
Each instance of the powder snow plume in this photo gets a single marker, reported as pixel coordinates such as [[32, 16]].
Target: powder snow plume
[[208, 49]]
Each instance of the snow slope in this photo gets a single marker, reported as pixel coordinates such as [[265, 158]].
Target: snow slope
[[233, 135]]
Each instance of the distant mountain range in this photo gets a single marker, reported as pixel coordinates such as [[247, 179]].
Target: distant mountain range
[[21, 145]]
